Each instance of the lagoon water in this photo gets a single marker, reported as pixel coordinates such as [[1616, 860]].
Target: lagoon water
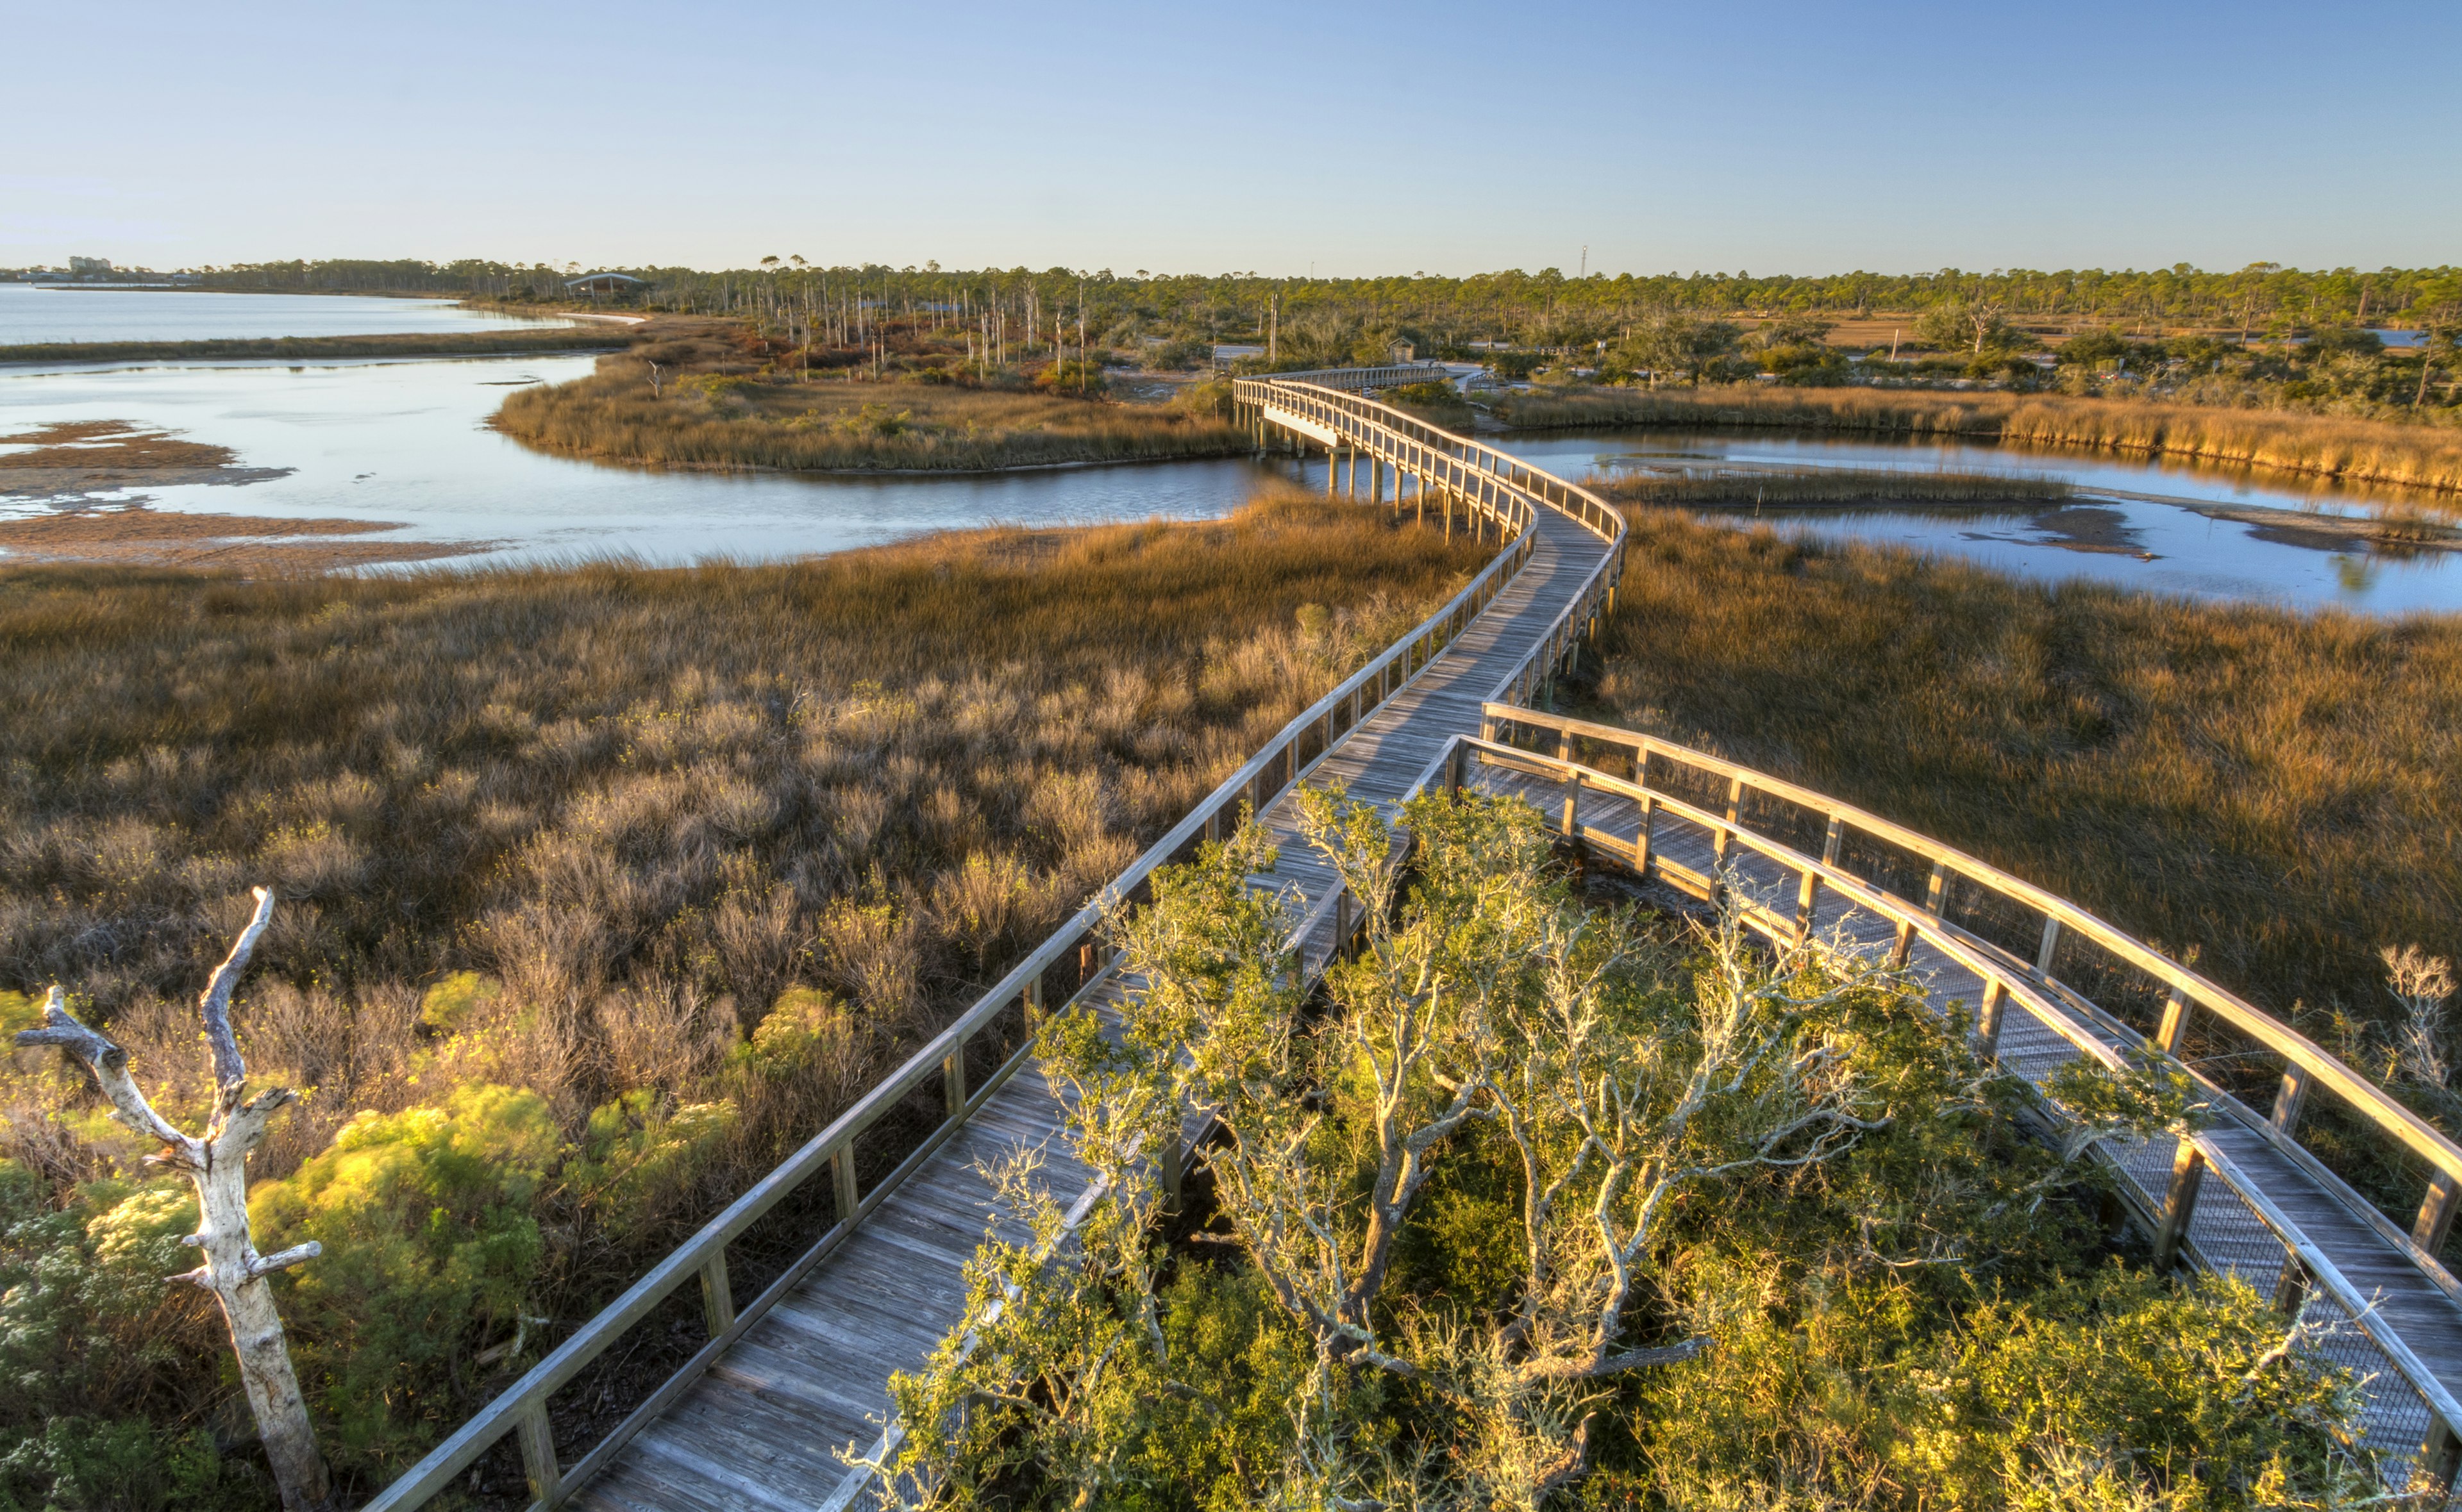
[[408, 442], [2099, 536], [66, 313]]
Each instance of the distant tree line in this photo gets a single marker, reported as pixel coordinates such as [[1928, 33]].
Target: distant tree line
[[1545, 308]]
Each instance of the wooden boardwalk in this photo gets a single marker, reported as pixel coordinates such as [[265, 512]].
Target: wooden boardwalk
[[758, 1417], [761, 1427]]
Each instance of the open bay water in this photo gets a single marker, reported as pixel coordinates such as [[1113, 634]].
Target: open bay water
[[32, 313], [408, 442]]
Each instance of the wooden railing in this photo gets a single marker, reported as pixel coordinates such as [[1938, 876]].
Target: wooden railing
[[1658, 771], [1074, 957]]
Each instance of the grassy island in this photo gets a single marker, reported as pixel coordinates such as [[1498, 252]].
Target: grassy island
[[723, 396]]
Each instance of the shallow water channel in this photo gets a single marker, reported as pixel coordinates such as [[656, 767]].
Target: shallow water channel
[[408, 442]]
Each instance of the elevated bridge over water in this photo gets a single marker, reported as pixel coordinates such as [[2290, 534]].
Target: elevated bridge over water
[[752, 1415]]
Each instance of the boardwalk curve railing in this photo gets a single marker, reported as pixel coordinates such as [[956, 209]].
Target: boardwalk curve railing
[[1820, 846], [991, 1040]]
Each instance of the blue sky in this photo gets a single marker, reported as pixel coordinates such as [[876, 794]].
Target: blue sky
[[1350, 139]]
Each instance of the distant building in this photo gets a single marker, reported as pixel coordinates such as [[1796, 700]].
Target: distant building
[[600, 286], [89, 267]]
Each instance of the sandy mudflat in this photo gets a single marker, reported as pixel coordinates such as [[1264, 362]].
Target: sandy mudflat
[[137, 536]]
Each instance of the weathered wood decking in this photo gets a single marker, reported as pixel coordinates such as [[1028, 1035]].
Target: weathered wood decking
[[761, 1428]]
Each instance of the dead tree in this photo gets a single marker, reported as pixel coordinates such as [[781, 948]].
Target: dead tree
[[216, 1165]]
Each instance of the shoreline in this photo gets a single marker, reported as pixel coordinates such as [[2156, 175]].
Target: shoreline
[[557, 341]]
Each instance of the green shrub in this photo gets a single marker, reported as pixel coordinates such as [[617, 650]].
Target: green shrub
[[431, 1249]]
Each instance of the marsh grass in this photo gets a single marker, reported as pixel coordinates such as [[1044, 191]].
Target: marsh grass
[[2277, 790], [677, 861], [2354, 451], [713, 406], [1824, 486]]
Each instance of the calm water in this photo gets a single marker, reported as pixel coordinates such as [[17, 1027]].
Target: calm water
[[2100, 538], [28, 312], [403, 441]]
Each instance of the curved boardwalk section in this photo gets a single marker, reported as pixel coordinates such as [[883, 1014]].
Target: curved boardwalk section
[[2047, 983], [756, 1415]]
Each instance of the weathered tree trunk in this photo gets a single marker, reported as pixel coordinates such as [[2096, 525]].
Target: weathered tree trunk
[[216, 1166]]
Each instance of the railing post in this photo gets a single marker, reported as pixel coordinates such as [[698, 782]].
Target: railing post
[[2435, 1213], [2291, 1289], [2287, 1099], [1573, 805], [842, 1182], [716, 1298], [1641, 841], [1829, 845], [2051, 943], [1904, 947], [2440, 1454], [1936, 891], [2179, 1203], [538, 1453], [1170, 1168], [1032, 997], [1735, 807], [2175, 1022], [1987, 1018], [953, 1080], [1805, 897]]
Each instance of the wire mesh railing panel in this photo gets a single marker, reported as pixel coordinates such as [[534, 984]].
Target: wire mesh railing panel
[[1884, 864], [2386, 1173], [1791, 824], [2120, 988], [2233, 1059], [1993, 917], [1697, 785]]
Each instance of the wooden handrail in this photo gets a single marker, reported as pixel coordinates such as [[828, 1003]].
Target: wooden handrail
[[2190, 987], [1278, 766], [2003, 982]]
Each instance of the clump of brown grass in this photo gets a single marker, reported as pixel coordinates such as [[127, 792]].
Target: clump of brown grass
[[603, 830], [2355, 451], [706, 848], [706, 407]]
